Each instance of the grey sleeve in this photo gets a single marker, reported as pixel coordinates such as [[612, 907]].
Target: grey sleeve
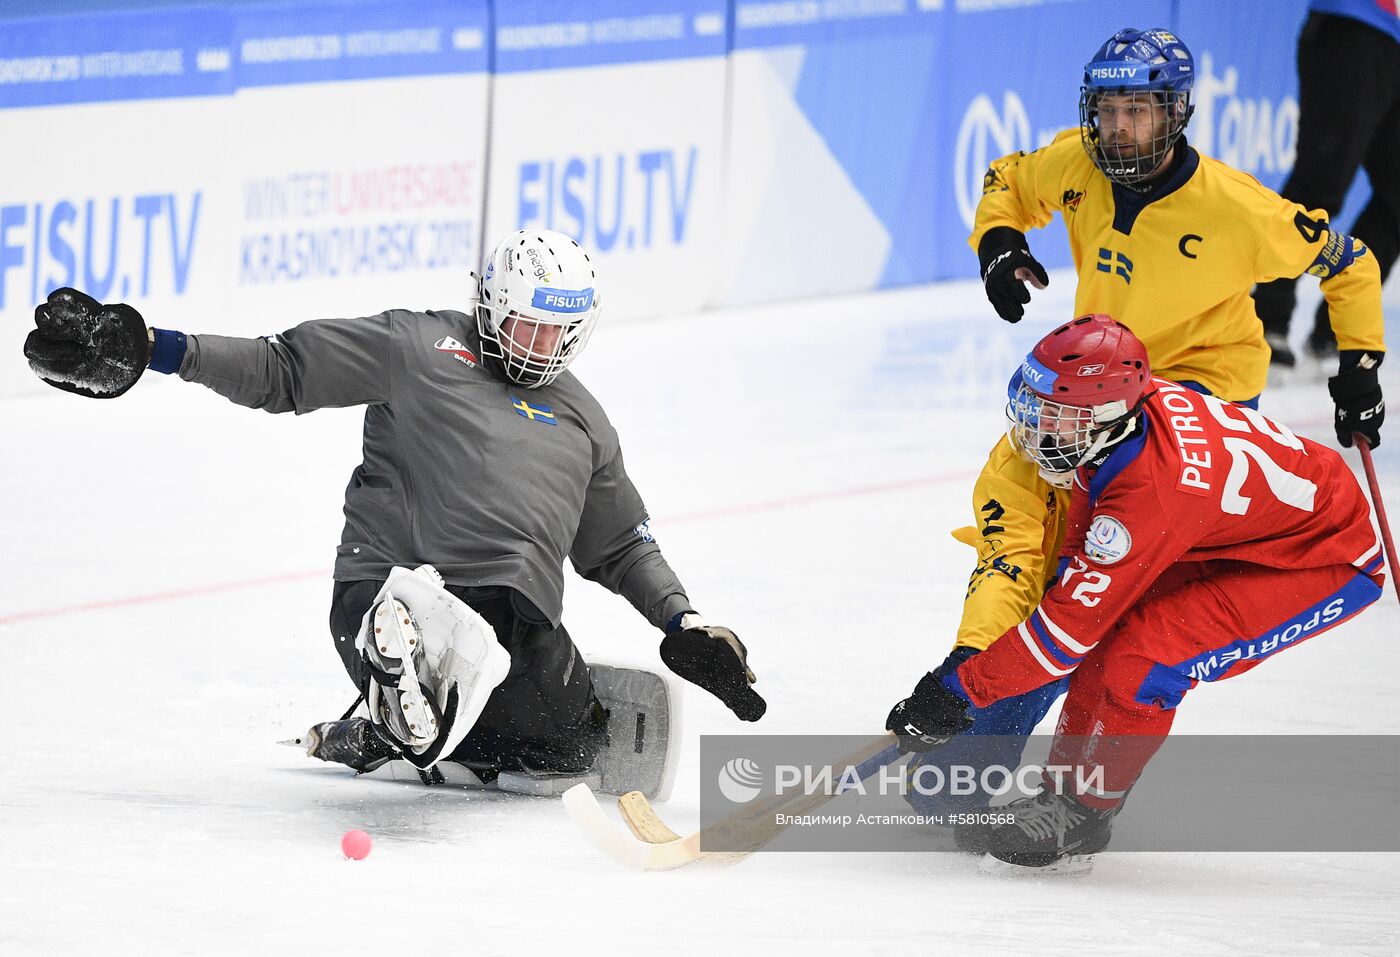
[[614, 547], [326, 363]]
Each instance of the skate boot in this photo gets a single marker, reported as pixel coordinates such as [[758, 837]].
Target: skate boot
[[352, 742], [1052, 834], [972, 838]]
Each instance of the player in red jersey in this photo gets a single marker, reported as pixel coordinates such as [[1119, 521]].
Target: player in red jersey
[[1202, 539]]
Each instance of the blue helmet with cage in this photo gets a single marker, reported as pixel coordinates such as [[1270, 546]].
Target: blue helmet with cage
[[1135, 103]]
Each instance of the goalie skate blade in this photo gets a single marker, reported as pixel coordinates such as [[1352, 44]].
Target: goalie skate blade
[[1076, 865], [304, 742], [583, 807]]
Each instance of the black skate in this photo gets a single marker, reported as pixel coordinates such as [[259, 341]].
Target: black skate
[[1052, 834], [1281, 354], [972, 838], [1322, 341], [352, 742]]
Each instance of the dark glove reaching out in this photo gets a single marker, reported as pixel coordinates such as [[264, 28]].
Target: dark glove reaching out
[[713, 658], [1007, 265], [1356, 390], [934, 713], [79, 345]]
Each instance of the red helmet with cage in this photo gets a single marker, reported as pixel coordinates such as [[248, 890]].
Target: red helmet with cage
[[1078, 393]]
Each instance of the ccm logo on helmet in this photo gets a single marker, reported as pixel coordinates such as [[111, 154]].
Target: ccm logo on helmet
[[563, 300]]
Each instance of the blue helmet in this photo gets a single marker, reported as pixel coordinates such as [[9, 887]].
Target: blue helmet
[[1151, 65]]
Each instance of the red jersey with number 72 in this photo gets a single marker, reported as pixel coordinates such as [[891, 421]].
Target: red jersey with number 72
[[1203, 479]]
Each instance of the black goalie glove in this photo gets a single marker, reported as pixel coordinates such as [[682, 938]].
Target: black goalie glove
[[932, 715], [79, 345], [1356, 390], [1007, 265], [713, 658]]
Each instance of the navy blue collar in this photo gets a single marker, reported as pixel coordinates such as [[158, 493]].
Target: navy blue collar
[[1129, 203], [1120, 458]]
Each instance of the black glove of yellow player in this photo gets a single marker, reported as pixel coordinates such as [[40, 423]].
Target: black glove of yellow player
[[713, 657], [1007, 265], [934, 713], [1356, 390], [79, 345]]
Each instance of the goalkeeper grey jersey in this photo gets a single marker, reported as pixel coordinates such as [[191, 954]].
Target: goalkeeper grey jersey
[[492, 483]]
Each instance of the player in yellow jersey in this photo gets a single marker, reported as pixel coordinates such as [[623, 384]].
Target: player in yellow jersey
[[1169, 243]]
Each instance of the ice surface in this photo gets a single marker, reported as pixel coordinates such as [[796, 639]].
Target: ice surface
[[164, 585]]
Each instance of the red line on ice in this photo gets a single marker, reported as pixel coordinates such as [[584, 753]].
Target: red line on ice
[[727, 511]]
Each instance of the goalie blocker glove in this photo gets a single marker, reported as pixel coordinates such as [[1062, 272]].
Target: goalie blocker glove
[[1002, 251], [936, 711], [80, 345], [712, 657], [1356, 390]]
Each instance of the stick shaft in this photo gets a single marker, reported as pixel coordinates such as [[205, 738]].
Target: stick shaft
[[1364, 448]]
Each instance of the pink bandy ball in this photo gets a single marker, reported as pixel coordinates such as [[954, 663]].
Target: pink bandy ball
[[356, 845]]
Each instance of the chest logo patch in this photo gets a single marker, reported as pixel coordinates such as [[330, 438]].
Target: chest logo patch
[[456, 350], [533, 411], [1107, 541]]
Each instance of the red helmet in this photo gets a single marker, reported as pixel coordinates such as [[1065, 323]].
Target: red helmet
[[1079, 385]]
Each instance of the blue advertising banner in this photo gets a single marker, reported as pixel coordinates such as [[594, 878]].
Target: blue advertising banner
[[832, 119], [555, 34], [315, 42], [103, 56]]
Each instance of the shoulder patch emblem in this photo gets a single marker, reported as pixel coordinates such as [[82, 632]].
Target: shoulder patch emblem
[[1107, 541]]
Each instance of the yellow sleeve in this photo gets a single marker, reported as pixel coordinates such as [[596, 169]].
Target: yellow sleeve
[[1021, 190], [1020, 525], [1300, 241], [1353, 296]]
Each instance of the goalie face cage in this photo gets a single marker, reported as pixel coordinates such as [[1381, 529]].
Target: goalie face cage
[[532, 351]]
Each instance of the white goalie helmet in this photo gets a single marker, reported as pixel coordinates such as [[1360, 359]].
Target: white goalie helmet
[[537, 305]]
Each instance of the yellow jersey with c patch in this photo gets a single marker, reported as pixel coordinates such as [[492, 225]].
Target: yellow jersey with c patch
[[1177, 265]]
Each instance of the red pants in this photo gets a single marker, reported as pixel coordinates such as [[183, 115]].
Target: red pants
[[1201, 621]]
